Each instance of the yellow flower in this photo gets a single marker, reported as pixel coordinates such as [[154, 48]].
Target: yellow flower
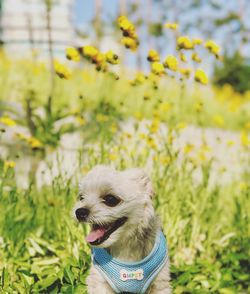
[[130, 39], [164, 107], [111, 57], [142, 136], [181, 125], [205, 148], [81, 120], [201, 77], [130, 43], [185, 72], [121, 19], [184, 42], [199, 106], [197, 41], [219, 120], [153, 56], [89, 51], [140, 78], [113, 128], [98, 58], [172, 26], [165, 160], [62, 71], [188, 148], [34, 143], [151, 142], [230, 142], [127, 135], [9, 164], [202, 156], [157, 68], [113, 156], [156, 113], [183, 57], [155, 125], [102, 118], [196, 58], [212, 47], [243, 186], [170, 137], [6, 120], [245, 141], [126, 26], [73, 54], [138, 115], [171, 62], [235, 105], [247, 126]]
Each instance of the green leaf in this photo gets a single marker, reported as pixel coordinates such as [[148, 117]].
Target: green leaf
[[46, 261], [45, 283], [68, 275], [68, 289]]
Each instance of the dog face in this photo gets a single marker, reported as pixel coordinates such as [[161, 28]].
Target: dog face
[[115, 204]]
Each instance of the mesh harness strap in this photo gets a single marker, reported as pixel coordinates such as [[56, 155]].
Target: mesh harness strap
[[131, 277]]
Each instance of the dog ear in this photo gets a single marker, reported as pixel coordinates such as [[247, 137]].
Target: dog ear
[[140, 176]]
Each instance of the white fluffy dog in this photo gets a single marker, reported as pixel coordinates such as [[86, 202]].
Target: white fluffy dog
[[124, 232]]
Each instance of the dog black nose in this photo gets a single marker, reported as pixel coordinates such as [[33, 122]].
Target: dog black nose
[[82, 214]]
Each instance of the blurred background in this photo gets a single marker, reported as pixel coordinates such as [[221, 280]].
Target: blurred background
[[25, 24], [161, 85]]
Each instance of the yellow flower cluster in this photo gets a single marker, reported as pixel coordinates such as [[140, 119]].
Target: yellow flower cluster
[[61, 70], [9, 164], [197, 41], [196, 58], [201, 77], [157, 68], [34, 143], [153, 56], [213, 47], [172, 26], [130, 38], [184, 42], [183, 57], [171, 63], [98, 58], [111, 57], [185, 72], [139, 79], [73, 54], [95, 56]]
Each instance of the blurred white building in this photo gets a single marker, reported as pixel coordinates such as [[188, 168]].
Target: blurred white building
[[23, 26]]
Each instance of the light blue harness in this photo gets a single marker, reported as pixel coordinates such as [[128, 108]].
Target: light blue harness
[[131, 277]]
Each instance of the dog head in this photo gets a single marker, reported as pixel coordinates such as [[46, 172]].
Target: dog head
[[116, 204]]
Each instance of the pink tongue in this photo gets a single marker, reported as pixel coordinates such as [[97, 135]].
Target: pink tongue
[[94, 235]]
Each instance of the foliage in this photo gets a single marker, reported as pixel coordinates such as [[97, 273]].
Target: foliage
[[234, 71], [43, 250]]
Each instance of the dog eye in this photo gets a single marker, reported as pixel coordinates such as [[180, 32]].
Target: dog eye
[[111, 200], [81, 197]]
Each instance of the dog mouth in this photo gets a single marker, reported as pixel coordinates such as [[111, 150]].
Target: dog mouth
[[101, 233]]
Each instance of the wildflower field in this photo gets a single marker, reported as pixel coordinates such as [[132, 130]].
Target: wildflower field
[[192, 138]]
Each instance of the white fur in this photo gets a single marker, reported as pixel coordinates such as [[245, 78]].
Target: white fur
[[135, 239]]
